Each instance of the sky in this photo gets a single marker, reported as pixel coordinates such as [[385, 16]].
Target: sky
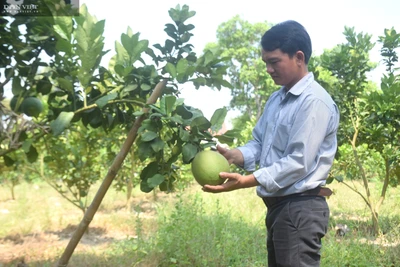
[[324, 21]]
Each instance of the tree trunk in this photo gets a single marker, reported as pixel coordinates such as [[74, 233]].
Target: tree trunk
[[375, 222], [370, 203], [112, 172], [12, 190], [129, 188], [385, 185], [129, 184]]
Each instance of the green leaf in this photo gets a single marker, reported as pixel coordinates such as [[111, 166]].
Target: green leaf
[[201, 123], [102, 101], [339, 178], [218, 118], [60, 32], [184, 112], [170, 68], [188, 152], [26, 145], [122, 55], [208, 57], [228, 137], [44, 86], [64, 45], [182, 66], [130, 87], [167, 104], [16, 86], [139, 48], [81, 38], [97, 30], [127, 43], [330, 179], [65, 84], [226, 84], [61, 123], [144, 187], [184, 135], [145, 87], [176, 119], [32, 154], [63, 26], [148, 136], [155, 180], [157, 145], [38, 38], [8, 161], [150, 170], [199, 81]]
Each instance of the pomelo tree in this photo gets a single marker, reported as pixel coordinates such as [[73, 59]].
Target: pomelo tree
[[57, 60], [369, 116], [66, 76]]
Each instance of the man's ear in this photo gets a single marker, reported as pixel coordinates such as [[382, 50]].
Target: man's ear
[[300, 58]]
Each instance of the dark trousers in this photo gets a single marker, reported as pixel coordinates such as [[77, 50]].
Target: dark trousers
[[295, 228]]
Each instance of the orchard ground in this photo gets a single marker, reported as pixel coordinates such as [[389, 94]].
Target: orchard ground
[[187, 228]]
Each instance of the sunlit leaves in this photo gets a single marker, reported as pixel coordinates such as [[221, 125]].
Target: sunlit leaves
[[77, 89], [62, 122], [101, 102], [390, 41], [180, 15]]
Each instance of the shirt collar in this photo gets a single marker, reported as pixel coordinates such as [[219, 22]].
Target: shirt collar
[[299, 87]]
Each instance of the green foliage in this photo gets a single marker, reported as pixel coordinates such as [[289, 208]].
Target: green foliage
[[349, 63], [173, 129], [76, 89], [383, 133], [240, 41], [390, 42], [73, 163], [346, 166], [369, 116]]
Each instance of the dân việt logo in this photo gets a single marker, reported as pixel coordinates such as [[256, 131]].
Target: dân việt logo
[[14, 7]]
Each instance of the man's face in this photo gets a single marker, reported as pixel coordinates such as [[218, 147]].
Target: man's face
[[283, 69]]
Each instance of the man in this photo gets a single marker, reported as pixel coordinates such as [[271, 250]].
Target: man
[[294, 144]]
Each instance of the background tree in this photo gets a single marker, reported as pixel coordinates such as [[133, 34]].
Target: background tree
[[73, 163], [368, 117], [239, 40]]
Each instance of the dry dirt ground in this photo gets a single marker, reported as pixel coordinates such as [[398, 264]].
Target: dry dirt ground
[[19, 250]]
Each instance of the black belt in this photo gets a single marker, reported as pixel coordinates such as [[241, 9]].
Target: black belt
[[318, 191]]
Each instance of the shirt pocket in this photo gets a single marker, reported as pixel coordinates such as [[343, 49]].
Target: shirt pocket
[[281, 137]]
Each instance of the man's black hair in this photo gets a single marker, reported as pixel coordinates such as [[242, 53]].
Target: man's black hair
[[288, 36]]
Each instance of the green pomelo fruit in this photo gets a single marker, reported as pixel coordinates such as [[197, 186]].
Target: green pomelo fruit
[[32, 106], [206, 167]]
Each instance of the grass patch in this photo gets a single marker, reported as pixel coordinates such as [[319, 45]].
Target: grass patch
[[200, 233], [190, 228]]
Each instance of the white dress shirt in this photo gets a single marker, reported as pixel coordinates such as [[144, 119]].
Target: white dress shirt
[[294, 142]]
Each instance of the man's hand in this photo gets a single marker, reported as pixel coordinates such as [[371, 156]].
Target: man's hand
[[234, 181], [234, 156]]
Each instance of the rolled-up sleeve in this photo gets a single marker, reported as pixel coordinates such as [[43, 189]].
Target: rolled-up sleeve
[[251, 153]]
